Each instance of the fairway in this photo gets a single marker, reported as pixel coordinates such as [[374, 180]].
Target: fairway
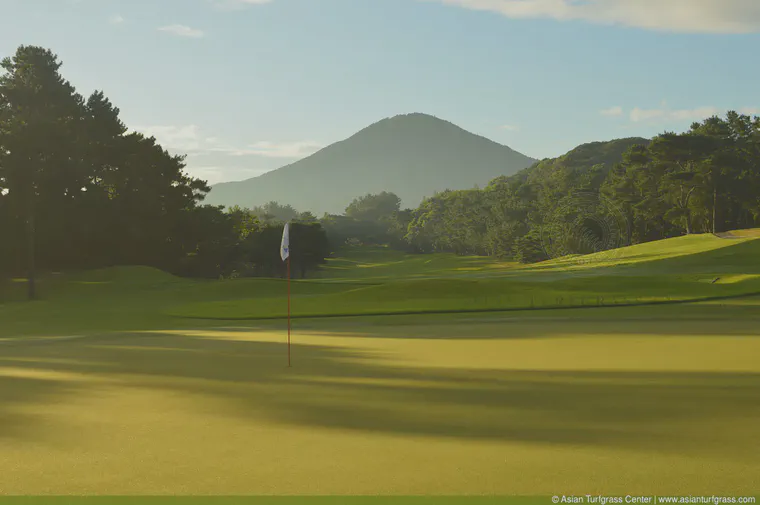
[[131, 381]]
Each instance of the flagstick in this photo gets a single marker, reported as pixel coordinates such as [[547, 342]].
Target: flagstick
[[288, 310]]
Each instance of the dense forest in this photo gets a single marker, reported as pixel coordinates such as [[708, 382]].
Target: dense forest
[[78, 191]]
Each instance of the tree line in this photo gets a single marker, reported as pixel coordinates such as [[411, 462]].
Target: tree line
[[78, 190], [599, 196]]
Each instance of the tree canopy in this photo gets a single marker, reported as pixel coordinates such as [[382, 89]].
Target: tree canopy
[[78, 190], [605, 195]]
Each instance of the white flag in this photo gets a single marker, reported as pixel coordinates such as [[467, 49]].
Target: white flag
[[285, 245]]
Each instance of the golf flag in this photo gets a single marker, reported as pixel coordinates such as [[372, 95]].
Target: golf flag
[[285, 245], [285, 255]]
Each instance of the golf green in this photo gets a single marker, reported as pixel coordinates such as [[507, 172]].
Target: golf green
[[429, 405]]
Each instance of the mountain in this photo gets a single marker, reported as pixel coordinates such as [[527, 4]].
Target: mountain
[[412, 155]]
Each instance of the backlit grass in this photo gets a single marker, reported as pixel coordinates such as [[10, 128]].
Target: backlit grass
[[147, 400], [380, 281], [481, 295], [436, 406]]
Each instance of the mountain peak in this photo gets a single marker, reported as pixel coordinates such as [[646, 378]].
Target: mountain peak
[[413, 155], [401, 123]]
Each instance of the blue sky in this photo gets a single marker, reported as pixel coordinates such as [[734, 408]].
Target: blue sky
[[246, 86]]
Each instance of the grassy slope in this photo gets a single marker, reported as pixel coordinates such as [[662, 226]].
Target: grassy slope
[[686, 268], [379, 281]]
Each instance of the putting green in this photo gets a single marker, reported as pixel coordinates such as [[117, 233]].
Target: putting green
[[450, 406]]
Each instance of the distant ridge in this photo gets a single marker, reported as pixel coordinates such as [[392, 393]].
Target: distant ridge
[[413, 155], [585, 156]]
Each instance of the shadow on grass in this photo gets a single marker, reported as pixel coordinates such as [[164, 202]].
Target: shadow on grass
[[688, 320], [705, 414], [737, 258], [591, 303]]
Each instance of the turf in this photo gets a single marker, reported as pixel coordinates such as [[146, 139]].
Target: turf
[[681, 269], [105, 389], [381, 282], [435, 407]]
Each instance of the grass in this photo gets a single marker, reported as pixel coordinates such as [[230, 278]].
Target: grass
[[451, 295], [434, 407], [675, 270], [147, 399]]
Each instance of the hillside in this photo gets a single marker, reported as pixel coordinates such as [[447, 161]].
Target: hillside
[[582, 158], [412, 155]]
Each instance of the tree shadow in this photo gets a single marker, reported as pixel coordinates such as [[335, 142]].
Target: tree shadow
[[503, 326], [736, 258], [700, 414]]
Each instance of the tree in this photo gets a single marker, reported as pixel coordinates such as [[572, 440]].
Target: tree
[[309, 247], [730, 165], [306, 217], [273, 211], [40, 119], [342, 230], [376, 207]]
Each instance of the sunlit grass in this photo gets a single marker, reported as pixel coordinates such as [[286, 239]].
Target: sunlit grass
[[601, 398], [440, 407], [383, 281]]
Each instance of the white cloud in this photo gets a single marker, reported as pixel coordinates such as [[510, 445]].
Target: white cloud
[[750, 111], [180, 138], [189, 139], [510, 127], [212, 159], [685, 16], [663, 115], [638, 114], [612, 111], [283, 149], [214, 174], [182, 31], [116, 20], [237, 4]]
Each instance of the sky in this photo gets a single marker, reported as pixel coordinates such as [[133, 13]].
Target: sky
[[247, 86]]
